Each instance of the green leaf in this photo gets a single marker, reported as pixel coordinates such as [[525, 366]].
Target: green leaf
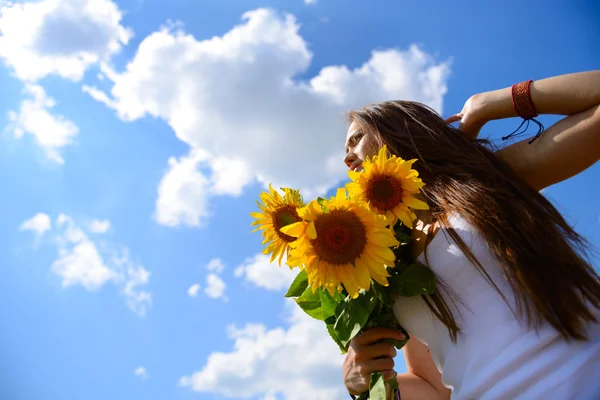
[[403, 233], [392, 383], [298, 286], [352, 315], [328, 305], [416, 279], [377, 387], [319, 305], [334, 335], [310, 303], [383, 317], [382, 293]]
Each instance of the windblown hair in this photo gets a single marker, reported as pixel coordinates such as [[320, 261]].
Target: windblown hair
[[543, 258]]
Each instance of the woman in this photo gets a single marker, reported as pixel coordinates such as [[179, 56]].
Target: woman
[[516, 313]]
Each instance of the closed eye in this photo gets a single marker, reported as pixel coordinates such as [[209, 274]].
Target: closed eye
[[354, 140]]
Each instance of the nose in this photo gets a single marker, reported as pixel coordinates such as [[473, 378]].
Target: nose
[[350, 159]]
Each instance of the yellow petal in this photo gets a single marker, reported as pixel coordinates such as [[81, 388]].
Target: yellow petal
[[415, 203], [363, 277], [294, 230], [381, 239], [311, 231], [340, 194], [354, 175], [350, 284], [404, 217]]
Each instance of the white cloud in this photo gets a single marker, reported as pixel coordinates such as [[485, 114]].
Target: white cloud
[[310, 2], [215, 287], [84, 262], [96, 94], [300, 362], [184, 190], [51, 132], [135, 276], [193, 290], [182, 193], [141, 372], [79, 261], [237, 102], [215, 265], [229, 176], [82, 265], [260, 272], [62, 37], [40, 224], [99, 226]]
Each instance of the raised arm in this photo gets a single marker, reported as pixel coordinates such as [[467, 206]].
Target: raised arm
[[567, 147]]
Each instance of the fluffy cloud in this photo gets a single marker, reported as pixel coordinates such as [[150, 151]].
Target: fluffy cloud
[[215, 287], [82, 265], [51, 132], [184, 190], [79, 262], [215, 265], [40, 224], [274, 362], [84, 262], [193, 290], [236, 101], [182, 193], [134, 277], [141, 372], [62, 37], [99, 226], [260, 272]]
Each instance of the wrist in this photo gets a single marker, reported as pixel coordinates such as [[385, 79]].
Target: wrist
[[496, 104]]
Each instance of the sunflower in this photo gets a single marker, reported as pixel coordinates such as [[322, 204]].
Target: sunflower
[[388, 185], [341, 242], [277, 212]]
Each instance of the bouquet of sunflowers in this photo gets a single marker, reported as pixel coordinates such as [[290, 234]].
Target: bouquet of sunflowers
[[351, 250]]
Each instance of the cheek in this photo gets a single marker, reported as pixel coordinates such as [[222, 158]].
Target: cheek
[[369, 147]]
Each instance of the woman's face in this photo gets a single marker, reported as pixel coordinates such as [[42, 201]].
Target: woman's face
[[359, 146]]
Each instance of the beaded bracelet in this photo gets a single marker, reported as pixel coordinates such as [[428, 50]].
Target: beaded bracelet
[[523, 105]]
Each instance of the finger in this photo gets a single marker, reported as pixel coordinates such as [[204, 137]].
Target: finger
[[389, 374], [376, 334], [383, 364], [374, 351], [454, 118]]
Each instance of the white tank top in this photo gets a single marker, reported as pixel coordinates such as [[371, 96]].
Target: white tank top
[[496, 356]]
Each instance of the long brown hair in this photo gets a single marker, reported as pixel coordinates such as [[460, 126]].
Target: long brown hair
[[544, 259]]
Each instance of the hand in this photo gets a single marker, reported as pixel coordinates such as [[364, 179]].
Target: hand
[[472, 117], [365, 356]]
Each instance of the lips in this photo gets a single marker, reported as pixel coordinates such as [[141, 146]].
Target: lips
[[356, 167]]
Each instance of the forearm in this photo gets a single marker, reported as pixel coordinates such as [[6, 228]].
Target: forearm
[[564, 95], [567, 148], [414, 388]]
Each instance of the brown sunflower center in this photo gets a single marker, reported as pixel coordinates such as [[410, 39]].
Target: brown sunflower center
[[284, 216], [341, 237], [384, 192]]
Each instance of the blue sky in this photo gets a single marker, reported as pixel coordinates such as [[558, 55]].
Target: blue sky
[[136, 137]]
